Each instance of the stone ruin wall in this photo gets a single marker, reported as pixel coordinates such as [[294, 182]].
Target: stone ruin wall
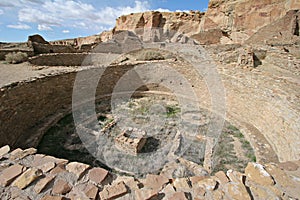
[[26, 105], [60, 59], [26, 174]]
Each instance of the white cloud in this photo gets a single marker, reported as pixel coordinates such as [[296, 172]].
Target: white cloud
[[19, 26], [18, 3], [73, 13], [43, 27], [66, 31], [1, 12], [9, 3], [163, 10]]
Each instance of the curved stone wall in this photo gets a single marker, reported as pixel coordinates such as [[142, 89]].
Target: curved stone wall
[[264, 108]]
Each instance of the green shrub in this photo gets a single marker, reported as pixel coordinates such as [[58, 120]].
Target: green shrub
[[14, 58]]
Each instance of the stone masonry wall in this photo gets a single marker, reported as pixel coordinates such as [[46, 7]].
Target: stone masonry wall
[[59, 59], [27, 107], [23, 173]]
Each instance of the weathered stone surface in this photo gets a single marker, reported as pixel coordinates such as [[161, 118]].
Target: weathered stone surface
[[131, 141], [19, 153], [37, 38], [27, 178], [145, 194], [49, 197], [46, 167], [42, 184], [145, 24], [256, 173], [77, 168], [130, 182], [168, 191], [280, 176], [198, 192], [155, 182], [222, 178], [289, 166], [114, 191], [98, 175], [10, 173], [283, 181], [178, 196], [263, 192], [61, 187], [195, 179], [241, 19], [58, 169], [217, 194], [40, 159], [207, 184], [4, 150], [181, 184], [235, 190], [234, 176], [91, 191], [246, 58]]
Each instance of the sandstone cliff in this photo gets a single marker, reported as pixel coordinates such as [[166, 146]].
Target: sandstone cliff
[[226, 21], [242, 18]]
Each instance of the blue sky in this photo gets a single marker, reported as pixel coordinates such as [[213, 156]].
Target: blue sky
[[60, 19]]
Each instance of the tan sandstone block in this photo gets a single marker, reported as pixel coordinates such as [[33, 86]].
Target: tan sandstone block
[[145, 194], [236, 190], [256, 173], [114, 191], [221, 176], [10, 173], [49, 197], [91, 191], [77, 168], [178, 196], [61, 187], [98, 175], [27, 178], [181, 184], [288, 166], [42, 184], [19, 153], [208, 184], [4, 150], [155, 182]]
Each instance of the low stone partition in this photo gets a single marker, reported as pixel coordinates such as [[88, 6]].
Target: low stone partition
[[60, 59], [23, 173]]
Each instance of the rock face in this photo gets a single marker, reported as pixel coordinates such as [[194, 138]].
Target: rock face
[[242, 18], [226, 21], [160, 25], [282, 31]]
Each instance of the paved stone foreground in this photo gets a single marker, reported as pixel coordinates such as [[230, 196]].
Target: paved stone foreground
[[24, 174]]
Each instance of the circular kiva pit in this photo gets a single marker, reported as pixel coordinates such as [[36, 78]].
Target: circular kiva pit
[[148, 119], [146, 126], [132, 124]]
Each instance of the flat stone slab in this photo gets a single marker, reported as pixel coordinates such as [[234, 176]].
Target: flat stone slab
[[61, 187], [97, 175], [42, 184], [27, 178], [4, 150], [77, 168], [10, 173], [114, 191]]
